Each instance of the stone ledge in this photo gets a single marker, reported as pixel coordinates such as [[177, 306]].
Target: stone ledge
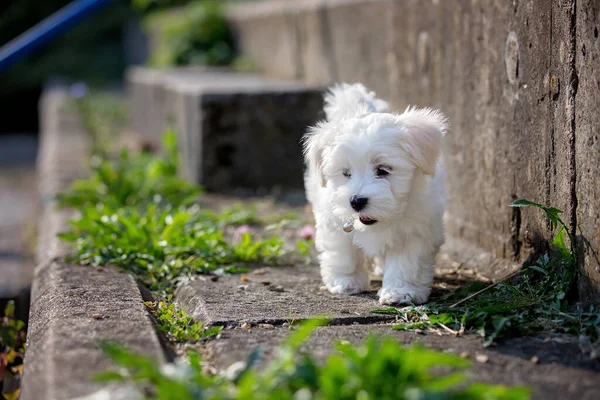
[[227, 123], [73, 307]]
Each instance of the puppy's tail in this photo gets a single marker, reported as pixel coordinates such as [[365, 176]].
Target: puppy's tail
[[345, 101]]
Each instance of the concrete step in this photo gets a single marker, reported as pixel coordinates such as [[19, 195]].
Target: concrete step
[[258, 309], [237, 131]]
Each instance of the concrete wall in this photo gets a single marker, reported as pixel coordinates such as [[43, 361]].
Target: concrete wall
[[586, 126], [518, 79]]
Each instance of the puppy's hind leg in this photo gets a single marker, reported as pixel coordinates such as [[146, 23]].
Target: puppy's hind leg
[[378, 263], [342, 264]]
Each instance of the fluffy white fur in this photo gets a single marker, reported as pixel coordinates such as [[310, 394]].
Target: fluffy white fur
[[393, 161]]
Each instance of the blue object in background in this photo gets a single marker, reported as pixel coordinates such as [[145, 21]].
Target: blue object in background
[[48, 29]]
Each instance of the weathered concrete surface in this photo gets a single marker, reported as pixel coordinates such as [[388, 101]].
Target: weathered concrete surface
[[560, 373], [587, 144], [271, 22], [236, 130], [504, 72], [493, 75], [279, 295], [74, 308]]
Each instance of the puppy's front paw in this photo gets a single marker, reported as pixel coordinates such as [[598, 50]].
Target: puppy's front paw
[[347, 284], [404, 295]]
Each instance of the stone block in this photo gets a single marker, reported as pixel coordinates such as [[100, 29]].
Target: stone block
[[73, 310], [237, 131]]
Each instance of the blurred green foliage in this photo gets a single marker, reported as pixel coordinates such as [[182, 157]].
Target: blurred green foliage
[[195, 34]]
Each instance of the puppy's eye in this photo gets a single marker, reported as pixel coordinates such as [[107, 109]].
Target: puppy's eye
[[346, 173], [382, 171]]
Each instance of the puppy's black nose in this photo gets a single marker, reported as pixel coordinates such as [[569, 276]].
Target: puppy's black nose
[[358, 203]]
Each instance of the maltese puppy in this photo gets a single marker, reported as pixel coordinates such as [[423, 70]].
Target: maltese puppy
[[375, 181]]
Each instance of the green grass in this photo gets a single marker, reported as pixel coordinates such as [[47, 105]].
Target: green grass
[[532, 301], [196, 34], [376, 369], [177, 325], [162, 244]]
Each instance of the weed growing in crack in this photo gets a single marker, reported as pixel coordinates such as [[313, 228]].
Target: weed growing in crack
[[376, 369], [177, 325], [533, 300], [163, 244]]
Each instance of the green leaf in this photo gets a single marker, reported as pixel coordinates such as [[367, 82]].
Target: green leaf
[[107, 376], [445, 319], [447, 382], [559, 241], [304, 331], [538, 269], [524, 203], [68, 236]]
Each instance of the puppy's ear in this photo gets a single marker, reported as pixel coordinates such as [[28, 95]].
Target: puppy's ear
[[314, 145], [422, 136]]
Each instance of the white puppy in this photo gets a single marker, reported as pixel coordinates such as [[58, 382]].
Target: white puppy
[[375, 182]]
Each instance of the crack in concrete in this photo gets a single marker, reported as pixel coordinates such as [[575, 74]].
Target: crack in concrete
[[572, 93], [335, 321]]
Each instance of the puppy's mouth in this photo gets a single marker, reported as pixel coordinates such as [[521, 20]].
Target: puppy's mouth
[[366, 220]]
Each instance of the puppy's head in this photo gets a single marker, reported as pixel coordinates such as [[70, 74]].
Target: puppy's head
[[367, 160]]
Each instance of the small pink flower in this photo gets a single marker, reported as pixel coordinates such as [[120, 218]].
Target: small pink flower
[[240, 230], [307, 232]]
